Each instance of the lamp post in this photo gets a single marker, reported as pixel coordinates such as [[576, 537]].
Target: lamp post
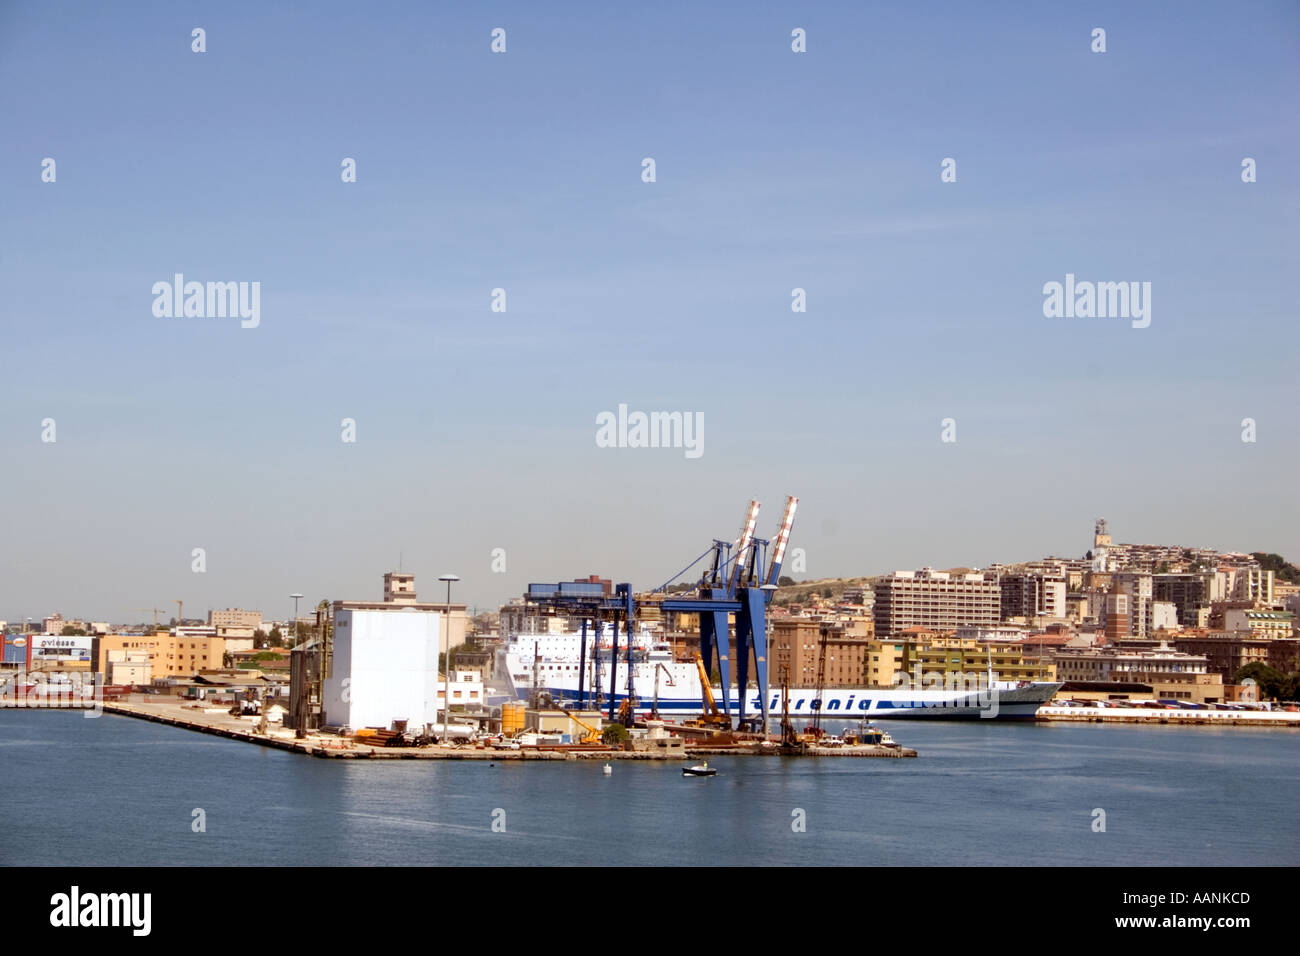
[[296, 596], [446, 662]]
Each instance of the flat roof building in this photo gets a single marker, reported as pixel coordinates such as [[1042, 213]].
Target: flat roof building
[[935, 599]]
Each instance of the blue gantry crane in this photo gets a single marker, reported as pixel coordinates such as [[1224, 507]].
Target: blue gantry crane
[[738, 580], [588, 601]]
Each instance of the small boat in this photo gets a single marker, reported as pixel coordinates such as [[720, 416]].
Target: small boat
[[699, 770], [608, 770]]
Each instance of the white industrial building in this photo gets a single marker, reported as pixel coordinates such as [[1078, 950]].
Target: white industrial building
[[385, 659]]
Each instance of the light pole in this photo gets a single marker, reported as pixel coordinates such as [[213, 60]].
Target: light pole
[[446, 661], [295, 597]]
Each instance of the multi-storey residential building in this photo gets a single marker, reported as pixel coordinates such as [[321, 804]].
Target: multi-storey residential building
[[950, 655], [885, 660], [1138, 586], [168, 655], [1032, 595], [1269, 624], [55, 623], [1164, 617], [1252, 584], [1190, 593], [935, 599], [796, 648], [399, 587], [128, 668], [235, 622]]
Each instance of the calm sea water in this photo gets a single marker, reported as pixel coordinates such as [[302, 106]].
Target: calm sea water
[[120, 791]]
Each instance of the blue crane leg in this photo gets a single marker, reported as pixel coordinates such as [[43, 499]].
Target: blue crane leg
[[582, 667], [724, 657]]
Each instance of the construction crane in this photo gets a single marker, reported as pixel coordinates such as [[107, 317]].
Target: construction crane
[[156, 612], [816, 728], [711, 717], [592, 736], [789, 739], [654, 710]]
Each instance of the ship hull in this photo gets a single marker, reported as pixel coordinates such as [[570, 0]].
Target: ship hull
[[1003, 703], [553, 665]]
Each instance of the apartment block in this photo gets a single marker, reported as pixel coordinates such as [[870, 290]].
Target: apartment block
[[1032, 595], [167, 655], [796, 648], [235, 622], [1266, 624], [1191, 594], [974, 659], [1139, 588], [937, 600], [1252, 584]]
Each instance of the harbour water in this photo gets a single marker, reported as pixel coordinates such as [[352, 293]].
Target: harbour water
[[119, 791]]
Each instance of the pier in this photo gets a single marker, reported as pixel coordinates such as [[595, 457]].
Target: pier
[[217, 721], [1148, 715]]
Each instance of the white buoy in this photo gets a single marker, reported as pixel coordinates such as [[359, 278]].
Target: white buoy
[[608, 770]]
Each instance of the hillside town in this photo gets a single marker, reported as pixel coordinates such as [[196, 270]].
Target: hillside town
[[1124, 622]]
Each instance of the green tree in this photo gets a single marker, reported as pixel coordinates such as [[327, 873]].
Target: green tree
[[785, 581], [275, 638], [614, 735], [70, 631], [1282, 569], [1273, 683]]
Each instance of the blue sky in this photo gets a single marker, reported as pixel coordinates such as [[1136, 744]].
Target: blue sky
[[775, 170]]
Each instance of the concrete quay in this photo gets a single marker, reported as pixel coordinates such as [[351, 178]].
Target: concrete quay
[[1149, 715], [217, 721]]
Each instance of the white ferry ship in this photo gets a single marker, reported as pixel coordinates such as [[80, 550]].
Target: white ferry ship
[[553, 665]]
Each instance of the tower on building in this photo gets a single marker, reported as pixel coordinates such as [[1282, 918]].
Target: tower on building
[[399, 588]]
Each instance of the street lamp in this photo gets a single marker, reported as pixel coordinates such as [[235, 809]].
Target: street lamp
[[295, 597], [446, 662]]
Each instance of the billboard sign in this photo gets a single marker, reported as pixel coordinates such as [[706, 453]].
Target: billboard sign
[[48, 647]]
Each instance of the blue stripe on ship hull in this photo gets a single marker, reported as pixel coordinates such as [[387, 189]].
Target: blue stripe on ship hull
[[884, 709]]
